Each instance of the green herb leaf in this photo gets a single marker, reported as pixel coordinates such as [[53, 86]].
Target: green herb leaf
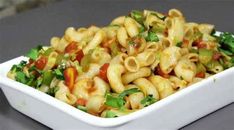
[[179, 44], [115, 102], [59, 74], [148, 100], [128, 92], [38, 82], [110, 114], [152, 37], [34, 52], [52, 91], [18, 67], [21, 77], [137, 15], [82, 108], [226, 41]]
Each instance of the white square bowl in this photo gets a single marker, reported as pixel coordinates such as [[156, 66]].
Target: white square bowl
[[170, 113]]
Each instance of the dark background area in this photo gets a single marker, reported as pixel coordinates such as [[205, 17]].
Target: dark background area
[[23, 31]]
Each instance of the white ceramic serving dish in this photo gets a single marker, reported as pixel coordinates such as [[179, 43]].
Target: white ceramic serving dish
[[170, 113]]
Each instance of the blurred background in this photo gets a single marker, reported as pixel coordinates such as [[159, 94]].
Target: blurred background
[[11, 7]]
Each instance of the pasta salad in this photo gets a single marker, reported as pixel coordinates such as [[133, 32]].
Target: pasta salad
[[127, 65]]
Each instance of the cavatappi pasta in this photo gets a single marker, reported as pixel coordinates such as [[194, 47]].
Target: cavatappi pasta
[[127, 65]]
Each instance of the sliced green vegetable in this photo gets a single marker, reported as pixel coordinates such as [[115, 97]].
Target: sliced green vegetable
[[148, 100], [82, 108], [34, 53], [200, 68], [47, 77], [110, 114], [114, 49], [205, 55], [128, 92], [48, 51], [152, 37], [85, 61]]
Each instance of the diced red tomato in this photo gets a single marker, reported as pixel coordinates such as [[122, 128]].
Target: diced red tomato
[[70, 75], [71, 47], [199, 44], [200, 75], [216, 56], [185, 43], [103, 72], [159, 72], [81, 101], [41, 62], [79, 55]]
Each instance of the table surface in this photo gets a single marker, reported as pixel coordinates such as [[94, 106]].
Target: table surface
[[21, 32]]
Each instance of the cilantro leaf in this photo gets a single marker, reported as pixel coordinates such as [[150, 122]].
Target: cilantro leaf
[[18, 67], [152, 37], [148, 100], [128, 92], [59, 74], [21, 77], [115, 102], [34, 52], [226, 41]]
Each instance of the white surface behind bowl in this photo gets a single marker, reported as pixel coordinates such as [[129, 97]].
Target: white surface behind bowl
[[170, 113]]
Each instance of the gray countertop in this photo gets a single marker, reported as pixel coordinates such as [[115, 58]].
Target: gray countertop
[[21, 32]]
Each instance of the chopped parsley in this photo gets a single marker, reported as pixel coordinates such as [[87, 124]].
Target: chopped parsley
[[21, 77], [34, 53], [148, 100], [118, 101], [138, 16], [59, 74], [128, 92], [226, 41], [151, 37]]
